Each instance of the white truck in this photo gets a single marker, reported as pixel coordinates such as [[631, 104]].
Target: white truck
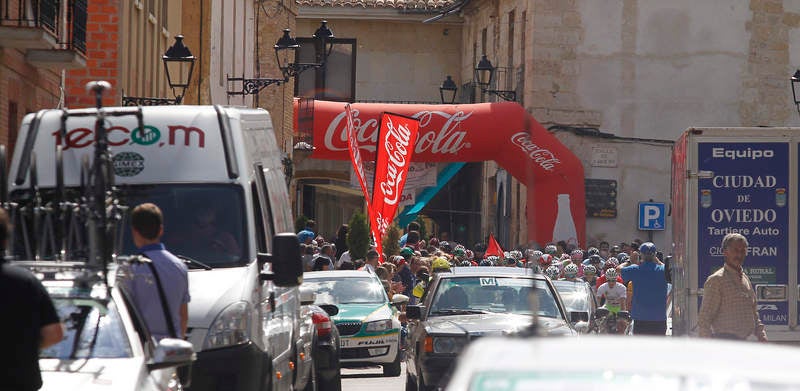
[[217, 176], [737, 180]]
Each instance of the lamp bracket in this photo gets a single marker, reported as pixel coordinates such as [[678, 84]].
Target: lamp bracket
[[294, 70], [254, 85], [507, 95]]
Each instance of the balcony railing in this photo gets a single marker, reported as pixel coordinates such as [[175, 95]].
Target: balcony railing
[[44, 24]]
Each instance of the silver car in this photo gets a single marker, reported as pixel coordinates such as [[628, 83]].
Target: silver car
[[106, 345]]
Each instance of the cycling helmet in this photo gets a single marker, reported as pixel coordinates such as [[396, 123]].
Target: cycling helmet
[[465, 263], [550, 249], [576, 255], [622, 257], [612, 262], [589, 270], [485, 262], [552, 272], [594, 258], [516, 254], [647, 248], [571, 270], [469, 254], [593, 251], [446, 247], [459, 252], [545, 260], [493, 260], [440, 264], [611, 274]]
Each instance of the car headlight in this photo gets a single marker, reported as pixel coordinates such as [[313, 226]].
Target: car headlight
[[231, 327], [448, 345], [378, 326]]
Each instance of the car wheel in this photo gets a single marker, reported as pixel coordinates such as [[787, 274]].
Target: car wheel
[[392, 369], [332, 383]]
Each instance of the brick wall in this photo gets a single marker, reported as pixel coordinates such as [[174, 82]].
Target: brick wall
[[102, 56], [24, 87]]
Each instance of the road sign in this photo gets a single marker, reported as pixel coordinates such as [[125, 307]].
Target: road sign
[[652, 216]]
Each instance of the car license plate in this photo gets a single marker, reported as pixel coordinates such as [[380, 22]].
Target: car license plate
[[344, 343]]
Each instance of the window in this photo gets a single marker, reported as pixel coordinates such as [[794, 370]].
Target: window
[[337, 81]]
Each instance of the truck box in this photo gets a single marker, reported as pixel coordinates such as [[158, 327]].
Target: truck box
[[742, 180]]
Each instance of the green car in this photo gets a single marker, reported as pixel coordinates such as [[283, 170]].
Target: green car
[[367, 322]]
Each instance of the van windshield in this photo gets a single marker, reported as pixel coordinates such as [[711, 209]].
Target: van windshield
[[202, 222]]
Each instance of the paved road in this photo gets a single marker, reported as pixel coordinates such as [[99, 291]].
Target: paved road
[[371, 379]]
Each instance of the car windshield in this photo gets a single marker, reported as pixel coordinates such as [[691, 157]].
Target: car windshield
[[574, 295], [203, 222], [347, 290], [606, 380], [92, 329], [458, 295]]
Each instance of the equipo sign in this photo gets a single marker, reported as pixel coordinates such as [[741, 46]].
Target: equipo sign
[[746, 194]]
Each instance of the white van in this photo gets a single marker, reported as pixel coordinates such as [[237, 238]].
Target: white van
[[216, 174]]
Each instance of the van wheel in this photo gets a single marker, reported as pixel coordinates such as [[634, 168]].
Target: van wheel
[[410, 385], [392, 369]]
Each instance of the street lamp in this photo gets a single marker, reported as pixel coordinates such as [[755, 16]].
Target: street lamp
[[448, 90], [484, 72], [323, 37], [285, 52], [484, 78], [795, 82], [178, 64]]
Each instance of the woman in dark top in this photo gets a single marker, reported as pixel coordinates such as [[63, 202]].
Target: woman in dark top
[[341, 240]]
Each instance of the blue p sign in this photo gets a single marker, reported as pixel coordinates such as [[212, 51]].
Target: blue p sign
[[652, 216]]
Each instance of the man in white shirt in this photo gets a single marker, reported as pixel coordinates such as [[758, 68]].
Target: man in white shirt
[[371, 262], [615, 296]]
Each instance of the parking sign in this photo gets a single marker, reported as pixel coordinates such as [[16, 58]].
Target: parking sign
[[652, 216]]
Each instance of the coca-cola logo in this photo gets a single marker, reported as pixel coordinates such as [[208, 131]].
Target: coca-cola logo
[[446, 139], [541, 156], [396, 148]]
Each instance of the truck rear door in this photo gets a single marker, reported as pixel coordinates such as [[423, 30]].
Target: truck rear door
[[744, 185]]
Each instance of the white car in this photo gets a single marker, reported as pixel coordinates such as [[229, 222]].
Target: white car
[[623, 363], [106, 345]]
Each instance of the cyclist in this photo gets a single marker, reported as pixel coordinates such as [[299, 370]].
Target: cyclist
[[590, 276], [575, 258], [552, 272], [613, 295], [545, 261], [611, 263], [571, 273]]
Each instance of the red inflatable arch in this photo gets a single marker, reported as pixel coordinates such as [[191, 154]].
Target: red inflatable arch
[[503, 132]]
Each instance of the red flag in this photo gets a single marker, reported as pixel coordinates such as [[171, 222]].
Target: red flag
[[355, 153], [494, 248], [396, 141]]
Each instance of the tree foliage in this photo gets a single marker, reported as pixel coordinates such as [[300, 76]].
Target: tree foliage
[[391, 241], [358, 238]]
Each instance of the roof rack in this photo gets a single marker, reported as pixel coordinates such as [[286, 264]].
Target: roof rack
[[60, 229]]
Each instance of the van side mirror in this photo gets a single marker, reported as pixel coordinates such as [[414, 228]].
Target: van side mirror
[[287, 264], [414, 311], [399, 299], [172, 352]]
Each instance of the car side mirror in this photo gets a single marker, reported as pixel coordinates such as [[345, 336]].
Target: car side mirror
[[415, 311], [331, 309], [172, 352], [578, 316], [287, 264], [307, 296], [399, 299]]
